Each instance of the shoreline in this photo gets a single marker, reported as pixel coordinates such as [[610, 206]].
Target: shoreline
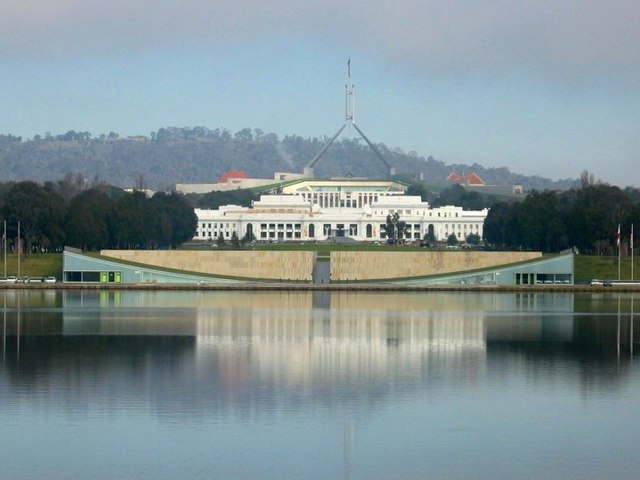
[[336, 287]]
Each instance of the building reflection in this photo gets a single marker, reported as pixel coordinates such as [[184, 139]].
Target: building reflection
[[244, 349]]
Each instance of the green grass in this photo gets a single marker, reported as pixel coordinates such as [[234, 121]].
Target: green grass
[[33, 265], [588, 267]]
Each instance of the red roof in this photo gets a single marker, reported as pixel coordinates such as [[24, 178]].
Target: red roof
[[472, 179], [233, 174]]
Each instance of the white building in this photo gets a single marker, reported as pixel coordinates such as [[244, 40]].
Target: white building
[[316, 210]]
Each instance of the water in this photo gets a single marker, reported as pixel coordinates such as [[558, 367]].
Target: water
[[290, 385]]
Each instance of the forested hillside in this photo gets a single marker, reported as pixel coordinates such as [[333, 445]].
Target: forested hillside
[[200, 155]]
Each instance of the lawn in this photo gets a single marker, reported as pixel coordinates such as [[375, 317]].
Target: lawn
[[588, 267], [33, 265]]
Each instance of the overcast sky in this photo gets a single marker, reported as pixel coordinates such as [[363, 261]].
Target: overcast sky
[[543, 87]]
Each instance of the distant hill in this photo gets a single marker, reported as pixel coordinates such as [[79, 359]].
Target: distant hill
[[200, 155]]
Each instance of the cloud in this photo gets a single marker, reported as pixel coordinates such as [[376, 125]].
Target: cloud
[[548, 35]]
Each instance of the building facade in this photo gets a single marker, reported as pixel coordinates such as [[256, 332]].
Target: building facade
[[316, 210]]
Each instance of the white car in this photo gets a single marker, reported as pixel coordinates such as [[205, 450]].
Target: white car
[[50, 280]]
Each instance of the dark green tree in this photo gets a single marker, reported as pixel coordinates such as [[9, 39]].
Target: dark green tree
[[128, 220], [395, 228], [40, 213], [176, 220], [87, 220], [235, 241], [473, 239], [459, 196]]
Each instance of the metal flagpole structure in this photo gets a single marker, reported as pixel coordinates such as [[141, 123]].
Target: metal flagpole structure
[[349, 120], [4, 247], [19, 247], [618, 244], [631, 245]]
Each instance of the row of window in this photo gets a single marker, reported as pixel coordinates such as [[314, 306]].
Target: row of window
[[419, 213], [281, 226], [294, 230]]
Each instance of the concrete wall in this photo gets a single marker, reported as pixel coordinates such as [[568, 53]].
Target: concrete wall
[[297, 266], [388, 265]]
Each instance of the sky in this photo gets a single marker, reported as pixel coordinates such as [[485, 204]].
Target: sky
[[547, 88]]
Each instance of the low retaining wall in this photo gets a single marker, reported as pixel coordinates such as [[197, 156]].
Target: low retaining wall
[[264, 265], [298, 265], [363, 266]]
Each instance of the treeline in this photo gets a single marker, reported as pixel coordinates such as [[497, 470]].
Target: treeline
[[214, 200], [92, 217], [550, 221], [454, 195], [201, 155]]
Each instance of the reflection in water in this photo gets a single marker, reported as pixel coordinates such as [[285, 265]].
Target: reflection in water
[[299, 347], [440, 372]]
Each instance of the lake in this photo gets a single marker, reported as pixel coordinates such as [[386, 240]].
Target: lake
[[318, 385]]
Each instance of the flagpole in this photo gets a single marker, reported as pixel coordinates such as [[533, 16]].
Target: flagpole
[[19, 248], [4, 246], [618, 242], [631, 242]]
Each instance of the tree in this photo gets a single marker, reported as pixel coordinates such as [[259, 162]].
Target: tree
[[587, 179], [40, 213], [452, 239], [87, 220], [473, 239], [395, 228], [235, 241], [420, 189], [429, 238], [128, 220], [177, 222], [459, 196]]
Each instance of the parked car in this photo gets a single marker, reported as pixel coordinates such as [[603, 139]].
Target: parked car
[[50, 280]]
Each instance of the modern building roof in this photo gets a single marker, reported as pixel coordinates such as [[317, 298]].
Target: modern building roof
[[471, 179]]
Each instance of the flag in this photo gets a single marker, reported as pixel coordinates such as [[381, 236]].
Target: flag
[[349, 67], [618, 237]]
